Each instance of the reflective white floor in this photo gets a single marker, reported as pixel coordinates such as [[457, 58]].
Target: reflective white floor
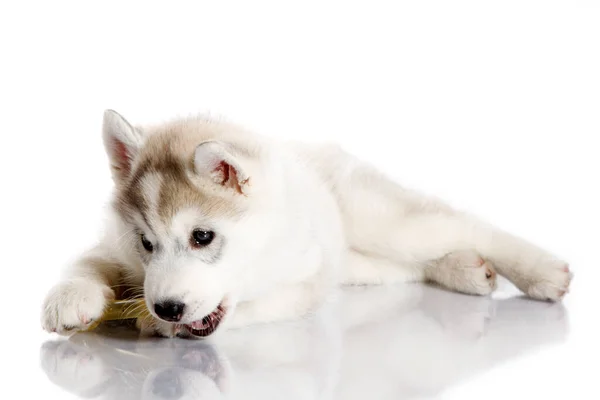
[[409, 342]]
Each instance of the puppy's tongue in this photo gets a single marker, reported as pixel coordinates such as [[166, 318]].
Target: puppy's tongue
[[208, 324], [204, 323]]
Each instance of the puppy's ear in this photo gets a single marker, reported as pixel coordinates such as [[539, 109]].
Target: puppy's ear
[[215, 161], [121, 141]]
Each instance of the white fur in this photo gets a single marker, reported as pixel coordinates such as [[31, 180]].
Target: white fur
[[317, 217]]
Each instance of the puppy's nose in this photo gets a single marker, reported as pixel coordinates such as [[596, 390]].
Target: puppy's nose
[[169, 310]]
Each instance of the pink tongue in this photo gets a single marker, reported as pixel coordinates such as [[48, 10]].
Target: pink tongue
[[199, 325]]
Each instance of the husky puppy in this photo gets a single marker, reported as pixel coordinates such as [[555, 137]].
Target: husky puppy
[[220, 228]]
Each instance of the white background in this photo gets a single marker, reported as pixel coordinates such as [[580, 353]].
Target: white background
[[491, 105]]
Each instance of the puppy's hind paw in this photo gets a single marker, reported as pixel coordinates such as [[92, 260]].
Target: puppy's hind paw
[[551, 282], [466, 272]]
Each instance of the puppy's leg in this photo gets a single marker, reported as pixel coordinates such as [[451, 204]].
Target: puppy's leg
[[386, 220], [432, 237], [78, 300], [462, 271], [363, 269]]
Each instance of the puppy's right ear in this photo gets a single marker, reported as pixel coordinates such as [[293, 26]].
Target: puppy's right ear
[[122, 142]]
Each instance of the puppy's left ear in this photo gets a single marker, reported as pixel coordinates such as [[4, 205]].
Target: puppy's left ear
[[214, 160]]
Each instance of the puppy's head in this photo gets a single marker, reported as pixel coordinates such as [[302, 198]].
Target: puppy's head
[[191, 201]]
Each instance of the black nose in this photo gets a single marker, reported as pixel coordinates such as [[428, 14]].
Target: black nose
[[169, 310]]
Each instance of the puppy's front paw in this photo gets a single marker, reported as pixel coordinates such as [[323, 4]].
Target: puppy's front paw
[[549, 281], [73, 305]]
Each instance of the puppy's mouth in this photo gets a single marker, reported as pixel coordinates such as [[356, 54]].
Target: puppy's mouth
[[207, 325]]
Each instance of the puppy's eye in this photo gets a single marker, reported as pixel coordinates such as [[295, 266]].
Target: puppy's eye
[[201, 238], [146, 243]]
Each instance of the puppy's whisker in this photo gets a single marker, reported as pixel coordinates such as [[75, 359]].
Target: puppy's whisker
[[123, 235], [134, 308], [135, 292], [124, 244]]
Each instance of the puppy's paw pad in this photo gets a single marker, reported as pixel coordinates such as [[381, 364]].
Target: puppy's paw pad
[[489, 273], [481, 280]]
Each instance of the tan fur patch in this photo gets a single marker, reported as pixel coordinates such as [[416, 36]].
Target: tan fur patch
[[170, 154]]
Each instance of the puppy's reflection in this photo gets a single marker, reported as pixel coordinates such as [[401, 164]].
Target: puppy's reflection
[[411, 341], [120, 367], [200, 372]]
